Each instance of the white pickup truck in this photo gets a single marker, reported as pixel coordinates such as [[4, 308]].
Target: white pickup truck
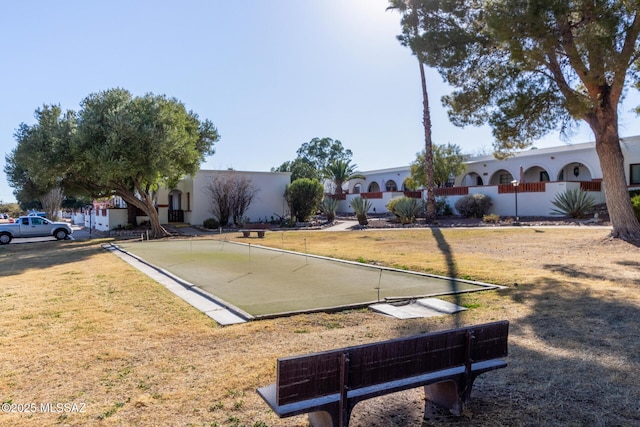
[[33, 226]]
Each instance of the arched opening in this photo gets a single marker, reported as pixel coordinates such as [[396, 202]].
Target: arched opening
[[575, 172], [391, 185], [357, 189], [373, 187], [471, 179], [535, 174], [502, 176]]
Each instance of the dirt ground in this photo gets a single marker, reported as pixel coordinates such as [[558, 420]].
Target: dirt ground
[[79, 325]]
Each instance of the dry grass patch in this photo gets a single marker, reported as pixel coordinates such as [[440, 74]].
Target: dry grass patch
[[79, 325]]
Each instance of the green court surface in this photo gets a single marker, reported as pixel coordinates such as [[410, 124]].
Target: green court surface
[[268, 282]]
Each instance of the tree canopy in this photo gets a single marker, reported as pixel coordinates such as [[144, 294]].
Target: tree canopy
[[313, 157], [527, 68], [448, 161], [116, 144], [37, 165], [340, 171]]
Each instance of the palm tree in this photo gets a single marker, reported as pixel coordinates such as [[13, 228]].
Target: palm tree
[[340, 171]]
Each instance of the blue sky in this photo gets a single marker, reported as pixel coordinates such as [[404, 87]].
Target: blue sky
[[270, 74]]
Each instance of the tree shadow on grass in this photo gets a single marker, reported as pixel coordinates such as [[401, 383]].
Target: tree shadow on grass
[[16, 259], [452, 269], [576, 272], [573, 359]]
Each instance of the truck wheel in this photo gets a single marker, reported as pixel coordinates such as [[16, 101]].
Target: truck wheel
[[61, 234], [5, 238]]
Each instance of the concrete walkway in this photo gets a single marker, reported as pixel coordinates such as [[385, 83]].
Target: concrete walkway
[[198, 298], [342, 225]]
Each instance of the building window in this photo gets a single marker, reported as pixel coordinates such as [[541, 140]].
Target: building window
[[505, 178], [634, 173], [450, 182], [391, 185], [374, 187], [544, 176], [357, 189]]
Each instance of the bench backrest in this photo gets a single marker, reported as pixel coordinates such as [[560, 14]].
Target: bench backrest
[[318, 374]]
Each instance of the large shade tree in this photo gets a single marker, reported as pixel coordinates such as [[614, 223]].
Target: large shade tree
[[127, 146], [322, 151], [134, 145], [527, 68], [36, 167]]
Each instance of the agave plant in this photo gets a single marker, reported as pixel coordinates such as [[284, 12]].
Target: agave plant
[[405, 208], [329, 207], [361, 207], [573, 203]]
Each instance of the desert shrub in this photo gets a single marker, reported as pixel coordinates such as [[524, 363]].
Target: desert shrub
[[491, 218], [329, 207], [391, 204], [573, 203], [635, 202], [443, 208], [405, 208], [361, 207], [304, 196], [211, 223], [473, 205]]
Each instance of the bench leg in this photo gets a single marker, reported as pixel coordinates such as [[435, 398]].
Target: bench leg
[[260, 233], [329, 417], [442, 395], [322, 419], [246, 233]]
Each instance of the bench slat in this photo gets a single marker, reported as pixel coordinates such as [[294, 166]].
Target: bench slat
[[315, 375], [268, 393]]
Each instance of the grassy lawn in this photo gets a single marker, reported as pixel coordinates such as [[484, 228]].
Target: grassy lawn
[[80, 326]]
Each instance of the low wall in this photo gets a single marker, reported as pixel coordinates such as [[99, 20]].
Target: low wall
[[530, 203]]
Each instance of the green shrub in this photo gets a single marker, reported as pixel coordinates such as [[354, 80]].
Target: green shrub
[[304, 196], [361, 207], [573, 203], [443, 208], [211, 223], [473, 205], [329, 207], [635, 202]]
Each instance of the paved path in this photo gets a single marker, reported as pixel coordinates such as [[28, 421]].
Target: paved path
[[342, 225]]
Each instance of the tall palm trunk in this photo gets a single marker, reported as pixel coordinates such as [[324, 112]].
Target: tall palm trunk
[[428, 146]]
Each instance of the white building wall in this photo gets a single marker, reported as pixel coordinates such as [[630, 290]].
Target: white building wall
[[552, 160], [529, 203], [269, 200], [380, 177]]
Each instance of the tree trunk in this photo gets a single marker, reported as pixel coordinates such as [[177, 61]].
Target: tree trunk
[[428, 147], [146, 204], [157, 230], [338, 191], [623, 219]]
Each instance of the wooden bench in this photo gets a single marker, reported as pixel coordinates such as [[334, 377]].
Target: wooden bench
[[258, 228], [329, 384]]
